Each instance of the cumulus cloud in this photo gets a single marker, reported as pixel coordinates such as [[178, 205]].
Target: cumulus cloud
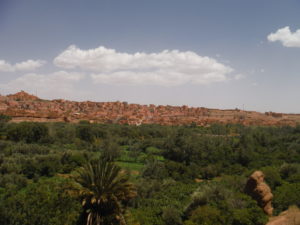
[[53, 85], [168, 68], [286, 37], [5, 67], [239, 76], [28, 65]]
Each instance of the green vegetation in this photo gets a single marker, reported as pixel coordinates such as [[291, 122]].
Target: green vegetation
[[103, 187], [71, 174]]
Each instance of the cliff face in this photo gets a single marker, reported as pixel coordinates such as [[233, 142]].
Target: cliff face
[[25, 107]]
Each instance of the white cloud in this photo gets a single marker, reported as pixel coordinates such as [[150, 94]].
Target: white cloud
[[239, 76], [54, 85], [286, 37], [28, 65], [168, 68], [5, 67]]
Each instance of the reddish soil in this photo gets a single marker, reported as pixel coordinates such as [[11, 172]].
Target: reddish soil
[[288, 217], [25, 107]]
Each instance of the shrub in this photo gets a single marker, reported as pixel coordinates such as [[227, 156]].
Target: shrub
[[286, 195], [45, 202], [28, 132]]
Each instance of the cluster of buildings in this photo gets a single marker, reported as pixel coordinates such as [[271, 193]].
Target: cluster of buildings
[[25, 107]]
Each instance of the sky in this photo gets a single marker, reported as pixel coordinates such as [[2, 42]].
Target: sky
[[202, 53]]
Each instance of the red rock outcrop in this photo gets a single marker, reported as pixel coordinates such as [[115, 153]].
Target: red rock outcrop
[[25, 107], [22, 96], [260, 191], [288, 217]]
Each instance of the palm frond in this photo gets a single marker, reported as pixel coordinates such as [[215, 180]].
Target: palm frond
[[103, 187]]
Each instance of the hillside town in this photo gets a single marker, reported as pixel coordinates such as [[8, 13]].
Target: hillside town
[[26, 107]]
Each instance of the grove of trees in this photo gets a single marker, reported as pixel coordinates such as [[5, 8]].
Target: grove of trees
[[73, 174]]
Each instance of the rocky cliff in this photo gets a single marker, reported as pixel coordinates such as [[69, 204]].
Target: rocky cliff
[[25, 107], [260, 191]]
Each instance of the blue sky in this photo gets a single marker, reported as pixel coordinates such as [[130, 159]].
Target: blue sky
[[213, 53]]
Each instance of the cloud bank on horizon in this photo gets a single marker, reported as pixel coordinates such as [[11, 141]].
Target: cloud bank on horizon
[[56, 84], [108, 66], [286, 37], [166, 68], [102, 65], [28, 65]]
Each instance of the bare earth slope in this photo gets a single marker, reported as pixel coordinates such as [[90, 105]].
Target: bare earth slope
[[288, 217], [25, 107]]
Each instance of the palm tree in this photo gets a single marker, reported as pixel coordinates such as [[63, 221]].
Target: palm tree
[[105, 190]]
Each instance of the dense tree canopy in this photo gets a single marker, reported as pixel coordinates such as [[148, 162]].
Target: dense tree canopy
[[183, 175]]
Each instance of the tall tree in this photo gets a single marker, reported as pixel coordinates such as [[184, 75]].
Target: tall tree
[[105, 190]]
